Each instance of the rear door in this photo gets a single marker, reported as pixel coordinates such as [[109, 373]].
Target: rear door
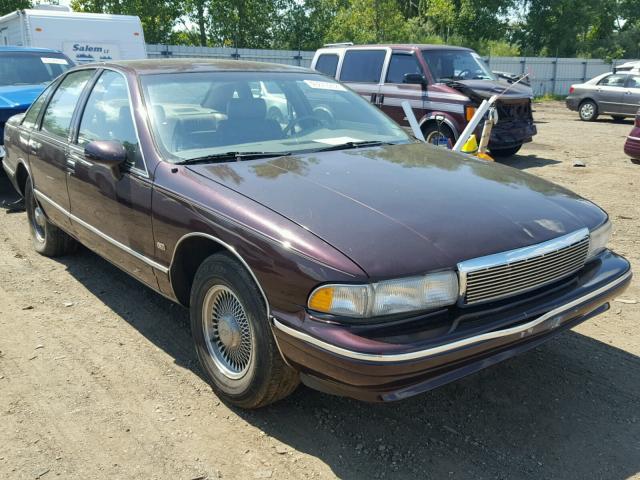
[[48, 146], [396, 90], [631, 95], [112, 216], [362, 70], [610, 93]]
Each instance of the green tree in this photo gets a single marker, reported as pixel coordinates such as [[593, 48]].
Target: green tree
[[367, 21], [8, 6], [158, 17]]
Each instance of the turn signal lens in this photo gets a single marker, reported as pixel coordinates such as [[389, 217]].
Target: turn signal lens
[[347, 300], [469, 112], [599, 238]]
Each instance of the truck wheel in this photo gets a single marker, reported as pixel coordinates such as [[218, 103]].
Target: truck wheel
[[233, 338], [505, 152], [588, 111], [432, 134], [47, 239]]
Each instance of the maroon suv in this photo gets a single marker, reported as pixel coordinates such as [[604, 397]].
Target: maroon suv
[[443, 84]]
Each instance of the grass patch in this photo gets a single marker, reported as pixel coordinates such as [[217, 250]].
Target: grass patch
[[549, 97]]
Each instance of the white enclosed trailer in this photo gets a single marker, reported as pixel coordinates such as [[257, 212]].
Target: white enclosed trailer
[[83, 37]]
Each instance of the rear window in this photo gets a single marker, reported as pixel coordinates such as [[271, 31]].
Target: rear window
[[328, 64], [31, 68], [362, 66]]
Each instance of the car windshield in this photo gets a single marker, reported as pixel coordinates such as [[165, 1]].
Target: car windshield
[[448, 65], [206, 114], [31, 68]]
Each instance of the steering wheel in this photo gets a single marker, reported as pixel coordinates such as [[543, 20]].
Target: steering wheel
[[325, 116], [463, 74], [309, 120]]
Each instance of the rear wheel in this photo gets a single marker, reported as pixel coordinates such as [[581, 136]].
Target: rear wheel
[[505, 152], [47, 239], [588, 111], [233, 338]]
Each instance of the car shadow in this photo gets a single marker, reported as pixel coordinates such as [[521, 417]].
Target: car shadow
[[523, 162], [568, 409]]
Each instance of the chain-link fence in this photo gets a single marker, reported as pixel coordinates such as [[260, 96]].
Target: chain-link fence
[[546, 75]]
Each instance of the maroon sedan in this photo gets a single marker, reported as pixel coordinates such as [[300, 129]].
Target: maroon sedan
[[326, 246], [632, 145]]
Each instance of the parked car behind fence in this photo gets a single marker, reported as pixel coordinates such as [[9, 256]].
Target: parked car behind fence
[[615, 94]]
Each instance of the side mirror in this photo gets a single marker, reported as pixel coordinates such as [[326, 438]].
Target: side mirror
[[107, 154], [414, 78]]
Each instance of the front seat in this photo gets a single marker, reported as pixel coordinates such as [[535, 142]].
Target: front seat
[[247, 122]]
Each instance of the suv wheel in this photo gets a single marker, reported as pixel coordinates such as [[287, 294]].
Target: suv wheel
[[588, 111], [47, 239], [432, 134], [233, 338]]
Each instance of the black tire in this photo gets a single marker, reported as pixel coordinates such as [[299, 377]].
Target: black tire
[[618, 118], [47, 239], [253, 380], [430, 132], [588, 111], [505, 152]]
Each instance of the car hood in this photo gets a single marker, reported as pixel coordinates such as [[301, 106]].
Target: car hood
[[484, 89], [18, 97], [405, 209]]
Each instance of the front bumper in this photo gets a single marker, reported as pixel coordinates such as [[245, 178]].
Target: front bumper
[[337, 359], [511, 133]]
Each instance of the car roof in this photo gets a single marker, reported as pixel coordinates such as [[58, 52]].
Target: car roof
[[178, 65], [15, 48], [403, 46]]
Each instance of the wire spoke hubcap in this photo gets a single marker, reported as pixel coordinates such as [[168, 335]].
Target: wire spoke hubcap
[[228, 333]]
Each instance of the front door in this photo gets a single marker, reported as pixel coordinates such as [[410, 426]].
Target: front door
[[48, 147], [396, 89], [112, 216], [362, 71]]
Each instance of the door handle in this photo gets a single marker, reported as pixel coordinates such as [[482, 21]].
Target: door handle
[[628, 92]]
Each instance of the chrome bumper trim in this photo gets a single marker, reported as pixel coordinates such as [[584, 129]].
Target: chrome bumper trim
[[523, 330]]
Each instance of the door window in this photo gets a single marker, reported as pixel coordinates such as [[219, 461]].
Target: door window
[[328, 64], [31, 117], [362, 66], [614, 80], [634, 81], [57, 117], [400, 65], [107, 116]]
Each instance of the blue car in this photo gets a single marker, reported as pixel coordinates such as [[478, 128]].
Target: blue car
[[24, 73]]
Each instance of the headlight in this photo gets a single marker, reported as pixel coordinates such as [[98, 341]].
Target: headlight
[[598, 239], [387, 297]]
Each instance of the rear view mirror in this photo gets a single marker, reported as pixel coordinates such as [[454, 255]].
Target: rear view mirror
[[107, 154], [414, 78]]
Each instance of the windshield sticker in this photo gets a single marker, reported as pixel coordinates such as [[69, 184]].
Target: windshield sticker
[[336, 140], [55, 61], [325, 85]]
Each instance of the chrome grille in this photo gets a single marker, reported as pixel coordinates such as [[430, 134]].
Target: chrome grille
[[517, 271]]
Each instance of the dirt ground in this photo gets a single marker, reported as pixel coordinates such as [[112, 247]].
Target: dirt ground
[[98, 378]]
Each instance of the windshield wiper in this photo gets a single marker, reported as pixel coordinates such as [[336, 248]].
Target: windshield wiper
[[350, 145], [232, 156]]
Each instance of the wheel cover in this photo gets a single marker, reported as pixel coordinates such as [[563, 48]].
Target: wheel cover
[[228, 332], [432, 137], [587, 110]]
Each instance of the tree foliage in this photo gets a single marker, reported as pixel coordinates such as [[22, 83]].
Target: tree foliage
[[8, 6], [590, 28]]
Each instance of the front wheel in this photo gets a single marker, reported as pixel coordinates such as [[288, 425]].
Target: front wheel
[[233, 338], [505, 152], [434, 135], [47, 239]]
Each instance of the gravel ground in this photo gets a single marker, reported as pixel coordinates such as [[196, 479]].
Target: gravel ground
[[98, 378]]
